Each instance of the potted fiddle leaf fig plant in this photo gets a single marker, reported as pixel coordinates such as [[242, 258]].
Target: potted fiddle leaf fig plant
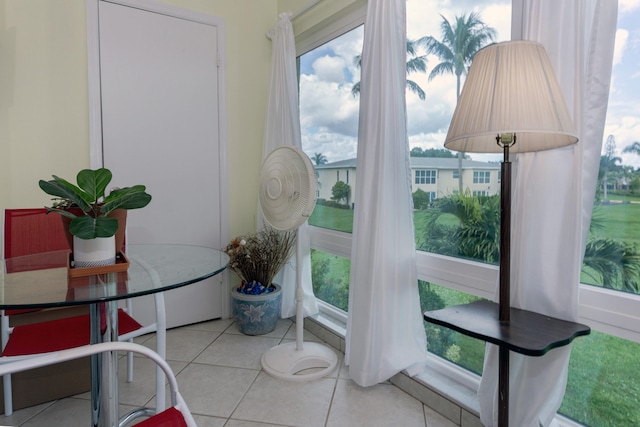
[[256, 259], [90, 212]]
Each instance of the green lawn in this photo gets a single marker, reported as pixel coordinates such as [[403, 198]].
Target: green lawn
[[622, 221], [603, 389], [333, 218]]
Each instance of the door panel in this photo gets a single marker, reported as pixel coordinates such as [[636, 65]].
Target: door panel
[[159, 92]]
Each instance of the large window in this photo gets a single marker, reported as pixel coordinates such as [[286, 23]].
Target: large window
[[481, 177], [329, 103], [425, 177], [604, 377]]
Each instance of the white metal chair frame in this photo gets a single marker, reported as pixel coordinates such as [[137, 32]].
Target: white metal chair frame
[[78, 352], [159, 327]]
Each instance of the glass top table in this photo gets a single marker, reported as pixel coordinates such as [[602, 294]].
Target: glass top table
[[45, 281], [41, 280]]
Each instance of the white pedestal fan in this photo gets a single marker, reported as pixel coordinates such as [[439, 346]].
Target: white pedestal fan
[[287, 197]]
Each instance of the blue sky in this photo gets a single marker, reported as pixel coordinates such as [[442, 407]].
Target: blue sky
[[329, 113]]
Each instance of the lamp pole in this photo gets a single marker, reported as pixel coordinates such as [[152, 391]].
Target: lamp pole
[[505, 141]]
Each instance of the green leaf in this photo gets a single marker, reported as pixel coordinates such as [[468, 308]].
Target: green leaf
[[94, 182], [58, 187], [126, 198], [87, 227]]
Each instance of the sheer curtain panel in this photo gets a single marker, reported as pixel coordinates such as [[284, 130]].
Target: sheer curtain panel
[[552, 199], [282, 127], [385, 332]]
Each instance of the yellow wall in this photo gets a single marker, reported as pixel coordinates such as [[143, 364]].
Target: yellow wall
[[43, 96], [44, 123]]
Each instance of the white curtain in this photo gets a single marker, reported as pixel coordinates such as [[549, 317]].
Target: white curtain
[[553, 195], [282, 127], [385, 332]]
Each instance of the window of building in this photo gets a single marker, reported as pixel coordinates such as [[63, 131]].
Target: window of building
[[425, 176], [481, 177], [456, 174]]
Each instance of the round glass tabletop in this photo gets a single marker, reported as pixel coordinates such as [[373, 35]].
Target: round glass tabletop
[[45, 280]]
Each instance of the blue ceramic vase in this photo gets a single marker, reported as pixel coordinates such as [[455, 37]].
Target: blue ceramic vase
[[256, 314]]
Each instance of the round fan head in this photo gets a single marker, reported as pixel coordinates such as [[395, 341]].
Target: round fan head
[[288, 188]]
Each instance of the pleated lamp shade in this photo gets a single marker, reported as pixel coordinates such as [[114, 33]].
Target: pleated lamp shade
[[511, 88]]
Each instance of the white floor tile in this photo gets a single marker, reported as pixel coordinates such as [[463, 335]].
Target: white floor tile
[[274, 401], [381, 405], [68, 412], [214, 390], [184, 345], [238, 351], [436, 420]]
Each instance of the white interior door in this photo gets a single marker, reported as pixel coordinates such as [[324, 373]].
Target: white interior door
[[160, 127]]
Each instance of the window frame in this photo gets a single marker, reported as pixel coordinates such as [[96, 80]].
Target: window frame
[[426, 177], [481, 177]]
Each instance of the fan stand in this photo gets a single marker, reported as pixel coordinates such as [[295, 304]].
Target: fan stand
[[287, 198], [299, 360]]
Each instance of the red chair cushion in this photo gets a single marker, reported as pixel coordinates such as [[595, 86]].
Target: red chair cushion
[[59, 334], [167, 418]]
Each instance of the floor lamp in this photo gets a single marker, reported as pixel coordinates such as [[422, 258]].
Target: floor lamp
[[511, 103]]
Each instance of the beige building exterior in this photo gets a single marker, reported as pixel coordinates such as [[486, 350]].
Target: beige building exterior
[[436, 176]]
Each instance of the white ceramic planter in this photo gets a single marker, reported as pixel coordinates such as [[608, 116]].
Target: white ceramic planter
[[94, 252]]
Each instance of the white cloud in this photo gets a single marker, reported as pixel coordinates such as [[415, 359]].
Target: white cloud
[[622, 37], [498, 16], [628, 5], [333, 146], [329, 69], [328, 106]]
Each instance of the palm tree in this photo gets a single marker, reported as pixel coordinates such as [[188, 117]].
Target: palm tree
[[633, 148], [459, 44], [613, 263], [415, 63], [608, 164], [319, 159], [476, 235]]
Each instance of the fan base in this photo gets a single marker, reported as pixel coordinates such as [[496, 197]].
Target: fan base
[[311, 362]]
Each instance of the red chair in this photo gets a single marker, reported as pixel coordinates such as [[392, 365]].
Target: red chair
[[178, 415], [32, 231]]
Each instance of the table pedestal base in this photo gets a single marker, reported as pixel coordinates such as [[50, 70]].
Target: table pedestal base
[[104, 366]]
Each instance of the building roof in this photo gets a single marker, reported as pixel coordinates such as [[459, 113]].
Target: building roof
[[421, 163]]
